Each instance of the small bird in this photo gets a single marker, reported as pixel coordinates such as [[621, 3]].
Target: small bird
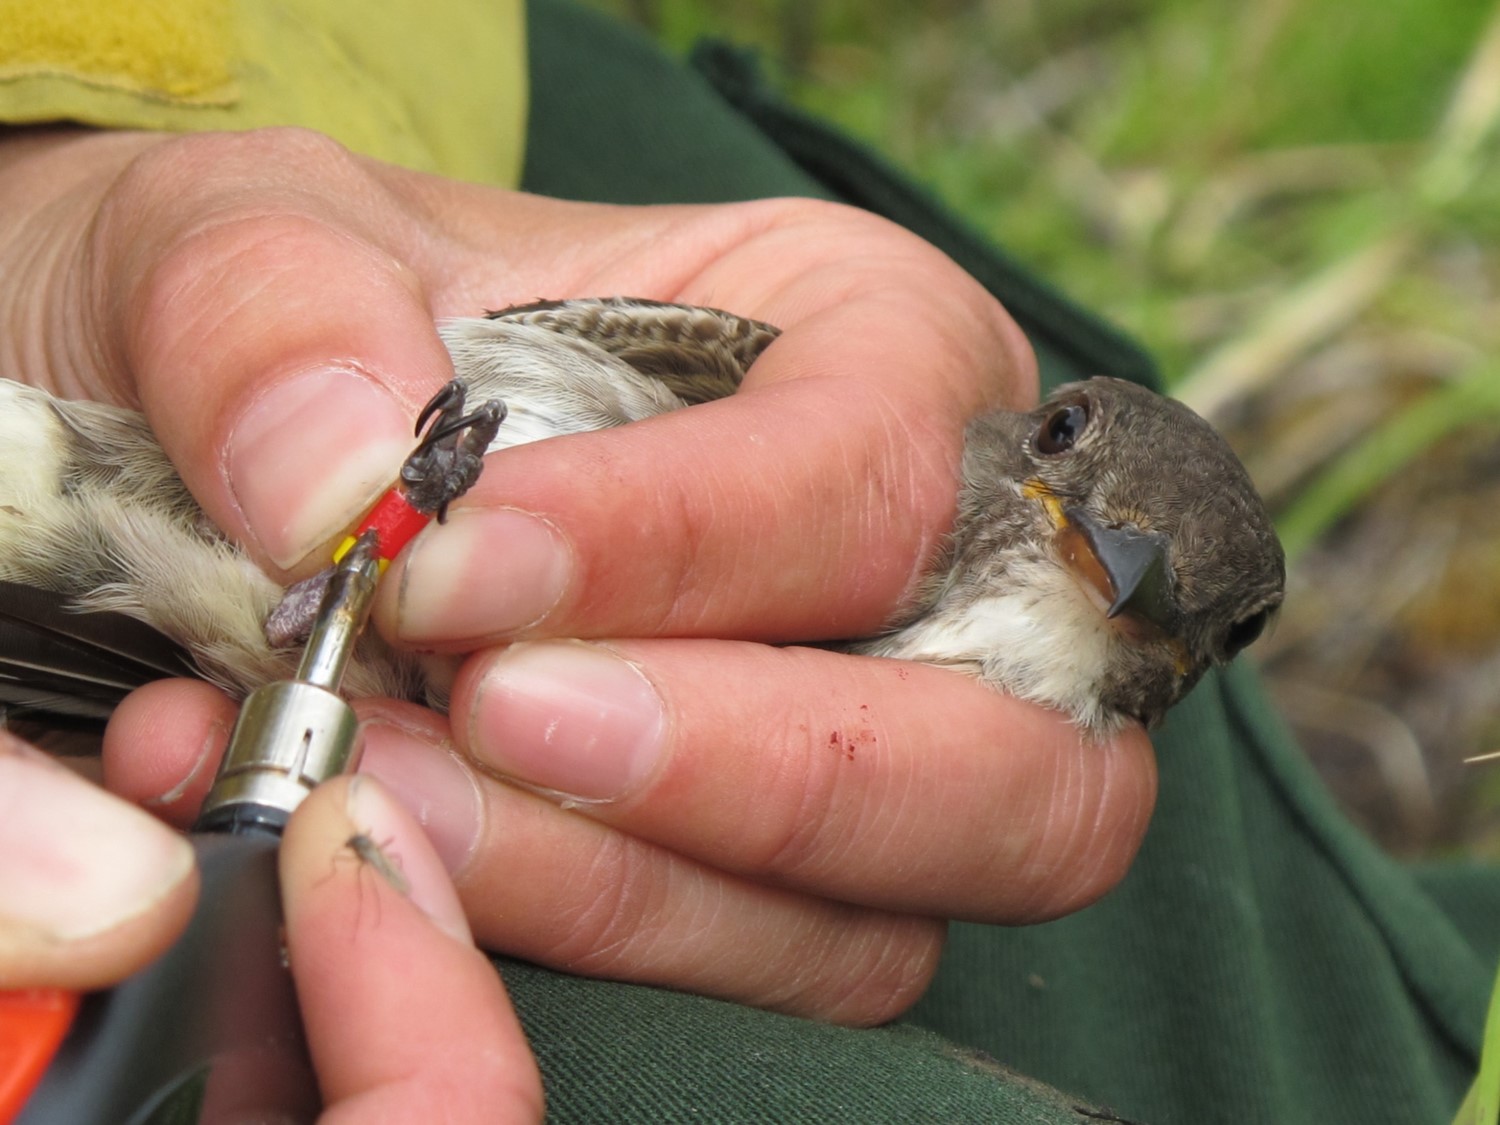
[[1108, 549]]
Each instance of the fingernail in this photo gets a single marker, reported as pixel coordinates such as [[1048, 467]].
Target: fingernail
[[569, 717], [431, 784], [205, 764], [78, 862], [485, 573], [390, 841], [306, 458]]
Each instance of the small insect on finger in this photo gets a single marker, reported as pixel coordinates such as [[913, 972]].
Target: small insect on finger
[[370, 853], [366, 852]]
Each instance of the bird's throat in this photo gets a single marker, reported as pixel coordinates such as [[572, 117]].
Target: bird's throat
[[1072, 547], [1078, 556]]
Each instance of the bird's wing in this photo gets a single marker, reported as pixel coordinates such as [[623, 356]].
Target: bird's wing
[[60, 665], [700, 354]]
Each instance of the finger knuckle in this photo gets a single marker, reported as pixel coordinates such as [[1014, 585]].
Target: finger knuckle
[[800, 829], [681, 561], [875, 972], [1087, 834], [180, 215], [178, 297], [226, 162], [603, 932]]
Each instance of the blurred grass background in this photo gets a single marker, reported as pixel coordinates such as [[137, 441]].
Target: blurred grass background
[[1296, 206]]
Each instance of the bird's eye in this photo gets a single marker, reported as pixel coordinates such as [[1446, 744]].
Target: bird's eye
[[1061, 429], [1243, 632]]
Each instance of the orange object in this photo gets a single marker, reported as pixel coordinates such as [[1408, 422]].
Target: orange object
[[33, 1023]]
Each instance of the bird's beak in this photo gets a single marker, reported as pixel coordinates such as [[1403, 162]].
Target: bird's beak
[[1131, 561]]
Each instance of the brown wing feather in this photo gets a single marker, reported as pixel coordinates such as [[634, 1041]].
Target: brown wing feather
[[699, 353]]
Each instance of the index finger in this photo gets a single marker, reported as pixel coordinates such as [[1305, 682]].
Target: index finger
[[436, 1039]]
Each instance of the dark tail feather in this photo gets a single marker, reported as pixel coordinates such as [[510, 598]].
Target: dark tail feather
[[58, 665]]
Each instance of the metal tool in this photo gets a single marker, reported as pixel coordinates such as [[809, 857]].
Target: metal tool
[[293, 734], [212, 1030]]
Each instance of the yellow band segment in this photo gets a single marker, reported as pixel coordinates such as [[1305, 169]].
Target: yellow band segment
[[347, 545]]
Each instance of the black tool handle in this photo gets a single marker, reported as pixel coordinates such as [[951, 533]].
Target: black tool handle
[[210, 1032]]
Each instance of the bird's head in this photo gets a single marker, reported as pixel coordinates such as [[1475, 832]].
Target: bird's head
[[1170, 559]]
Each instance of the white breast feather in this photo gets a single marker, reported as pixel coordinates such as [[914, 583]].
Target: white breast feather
[[1041, 640], [29, 436], [551, 384]]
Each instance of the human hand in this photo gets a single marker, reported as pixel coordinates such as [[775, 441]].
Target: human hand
[[377, 940], [92, 889], [776, 825]]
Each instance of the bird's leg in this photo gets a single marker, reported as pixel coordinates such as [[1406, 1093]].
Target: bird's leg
[[445, 464], [448, 460]]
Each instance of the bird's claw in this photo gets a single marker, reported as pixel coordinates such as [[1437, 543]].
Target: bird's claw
[[447, 461]]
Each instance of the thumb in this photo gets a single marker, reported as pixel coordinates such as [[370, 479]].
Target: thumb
[[280, 350], [91, 888]]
